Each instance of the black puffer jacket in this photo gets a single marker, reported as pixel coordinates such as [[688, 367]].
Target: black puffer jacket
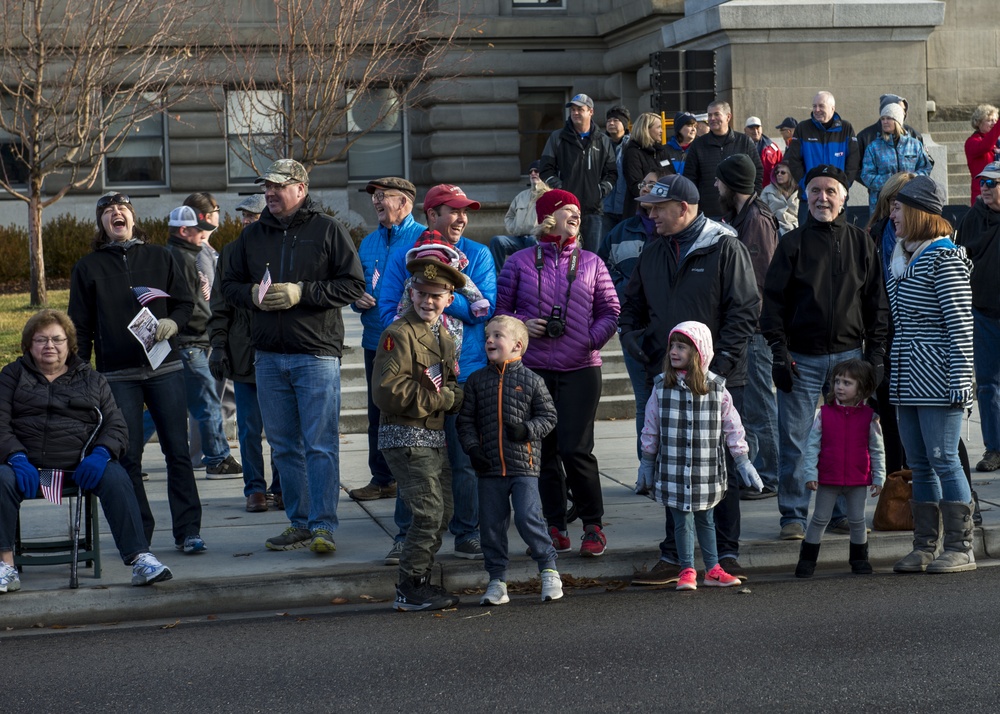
[[520, 396], [35, 416]]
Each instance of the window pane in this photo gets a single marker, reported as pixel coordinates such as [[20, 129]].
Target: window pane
[[539, 114], [134, 170], [252, 117], [375, 155], [15, 171]]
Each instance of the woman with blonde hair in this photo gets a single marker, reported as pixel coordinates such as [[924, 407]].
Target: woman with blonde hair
[[644, 153], [984, 145]]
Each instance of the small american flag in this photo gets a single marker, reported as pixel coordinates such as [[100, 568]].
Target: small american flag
[[206, 287], [265, 284], [52, 483], [145, 295], [435, 372], [375, 276]]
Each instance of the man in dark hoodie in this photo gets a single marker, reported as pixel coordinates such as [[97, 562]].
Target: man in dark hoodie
[[707, 151], [581, 159], [295, 269], [979, 234]]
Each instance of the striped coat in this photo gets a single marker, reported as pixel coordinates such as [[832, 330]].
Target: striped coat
[[691, 465], [931, 304]]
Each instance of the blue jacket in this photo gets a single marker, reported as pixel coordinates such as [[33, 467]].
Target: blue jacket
[[374, 252], [620, 251], [614, 202], [815, 145], [882, 159], [481, 270]]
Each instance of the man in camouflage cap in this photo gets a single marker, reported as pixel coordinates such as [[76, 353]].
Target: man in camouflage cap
[[294, 270]]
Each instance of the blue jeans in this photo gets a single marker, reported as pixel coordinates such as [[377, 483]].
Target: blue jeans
[[760, 412], [204, 404], [117, 498], [930, 437], [163, 394], [381, 475], [796, 411], [502, 247], [986, 358], [591, 231], [496, 496], [464, 523], [685, 524], [250, 431], [300, 405], [637, 376]]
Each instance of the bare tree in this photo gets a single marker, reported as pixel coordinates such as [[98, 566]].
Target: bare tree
[[76, 78], [318, 75]]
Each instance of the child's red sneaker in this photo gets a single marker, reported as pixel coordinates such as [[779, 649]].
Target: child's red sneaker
[[594, 542], [560, 541]]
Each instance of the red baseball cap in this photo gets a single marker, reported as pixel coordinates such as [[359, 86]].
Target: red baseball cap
[[447, 195]]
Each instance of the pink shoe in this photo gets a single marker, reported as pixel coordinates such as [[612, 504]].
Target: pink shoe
[[688, 580], [719, 578]]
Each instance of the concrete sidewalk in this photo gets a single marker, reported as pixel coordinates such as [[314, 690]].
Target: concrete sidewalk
[[239, 574]]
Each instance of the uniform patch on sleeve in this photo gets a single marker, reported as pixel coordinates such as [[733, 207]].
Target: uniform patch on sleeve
[[388, 344], [390, 366]]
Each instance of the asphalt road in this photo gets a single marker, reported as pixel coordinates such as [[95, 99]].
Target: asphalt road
[[837, 643]]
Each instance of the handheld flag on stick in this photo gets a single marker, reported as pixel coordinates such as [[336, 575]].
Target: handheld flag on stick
[[146, 295]]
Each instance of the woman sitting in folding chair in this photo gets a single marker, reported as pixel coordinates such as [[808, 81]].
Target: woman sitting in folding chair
[[58, 413]]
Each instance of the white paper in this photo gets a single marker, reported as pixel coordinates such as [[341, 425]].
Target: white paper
[[143, 327]]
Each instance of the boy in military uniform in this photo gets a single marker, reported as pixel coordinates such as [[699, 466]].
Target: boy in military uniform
[[414, 386]]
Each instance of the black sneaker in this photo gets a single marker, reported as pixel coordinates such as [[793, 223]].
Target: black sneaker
[[227, 468], [989, 462], [290, 539], [733, 567], [413, 594], [663, 573], [749, 494]]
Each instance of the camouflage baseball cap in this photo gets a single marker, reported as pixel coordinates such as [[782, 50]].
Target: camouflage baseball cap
[[285, 171]]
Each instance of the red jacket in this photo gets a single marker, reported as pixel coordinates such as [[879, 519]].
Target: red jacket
[[770, 156], [844, 457], [979, 151]]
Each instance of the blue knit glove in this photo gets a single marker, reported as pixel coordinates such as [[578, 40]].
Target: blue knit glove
[[749, 475], [26, 474], [645, 481], [91, 470]]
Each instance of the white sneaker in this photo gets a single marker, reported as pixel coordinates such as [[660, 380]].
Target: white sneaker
[[496, 594], [147, 570], [10, 580], [551, 585]]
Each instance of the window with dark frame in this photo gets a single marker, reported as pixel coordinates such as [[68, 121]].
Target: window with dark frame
[[540, 112], [381, 150], [253, 130], [141, 160]]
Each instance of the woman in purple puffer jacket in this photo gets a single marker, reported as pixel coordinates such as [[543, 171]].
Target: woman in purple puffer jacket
[[567, 299]]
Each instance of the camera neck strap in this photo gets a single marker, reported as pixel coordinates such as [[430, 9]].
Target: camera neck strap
[[574, 263]]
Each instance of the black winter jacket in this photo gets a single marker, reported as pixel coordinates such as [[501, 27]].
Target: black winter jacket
[[35, 416], [824, 291], [102, 304], [703, 158], [979, 234], [195, 332], [636, 163], [315, 250], [506, 394], [229, 329], [713, 283], [587, 169]]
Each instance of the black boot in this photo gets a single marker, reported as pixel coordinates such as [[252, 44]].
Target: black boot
[[858, 559], [808, 554], [977, 516]]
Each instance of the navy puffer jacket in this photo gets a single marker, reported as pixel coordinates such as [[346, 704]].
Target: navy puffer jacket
[[591, 312]]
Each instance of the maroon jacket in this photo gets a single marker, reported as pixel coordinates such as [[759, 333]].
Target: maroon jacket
[[844, 456]]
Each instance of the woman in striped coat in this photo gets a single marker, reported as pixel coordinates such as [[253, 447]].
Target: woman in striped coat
[[931, 373]]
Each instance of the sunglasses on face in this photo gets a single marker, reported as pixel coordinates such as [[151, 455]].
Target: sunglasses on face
[[118, 199], [988, 183]]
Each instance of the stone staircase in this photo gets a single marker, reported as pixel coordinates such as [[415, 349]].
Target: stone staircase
[[617, 400], [952, 135]]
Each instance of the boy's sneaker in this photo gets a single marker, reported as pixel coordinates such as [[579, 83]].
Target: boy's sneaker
[[322, 541], [290, 539], [560, 540], [719, 578], [663, 573], [392, 557], [147, 570], [9, 579], [594, 542], [191, 545], [414, 594], [551, 585], [496, 593], [470, 549], [688, 580], [227, 468]]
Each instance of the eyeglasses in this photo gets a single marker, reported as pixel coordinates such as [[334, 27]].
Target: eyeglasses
[[272, 186], [118, 199], [988, 183], [645, 184], [380, 196], [780, 173], [42, 341]]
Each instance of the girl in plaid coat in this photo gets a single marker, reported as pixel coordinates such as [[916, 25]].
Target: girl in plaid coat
[[683, 465]]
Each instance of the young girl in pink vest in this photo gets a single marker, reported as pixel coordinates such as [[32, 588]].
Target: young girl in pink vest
[[690, 419], [844, 456]]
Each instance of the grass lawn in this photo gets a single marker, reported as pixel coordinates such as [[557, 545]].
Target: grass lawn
[[14, 312]]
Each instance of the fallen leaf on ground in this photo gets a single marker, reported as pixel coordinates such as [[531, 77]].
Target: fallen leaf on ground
[[339, 601]]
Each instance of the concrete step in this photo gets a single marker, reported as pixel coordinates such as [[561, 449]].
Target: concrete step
[[951, 137], [936, 126]]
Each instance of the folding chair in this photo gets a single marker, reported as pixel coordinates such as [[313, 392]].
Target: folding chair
[[60, 551]]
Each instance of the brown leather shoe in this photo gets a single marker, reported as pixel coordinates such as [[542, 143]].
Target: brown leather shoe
[[373, 492], [256, 503]]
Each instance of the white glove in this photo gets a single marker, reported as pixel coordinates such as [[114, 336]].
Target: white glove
[[749, 475], [646, 480], [166, 329]]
